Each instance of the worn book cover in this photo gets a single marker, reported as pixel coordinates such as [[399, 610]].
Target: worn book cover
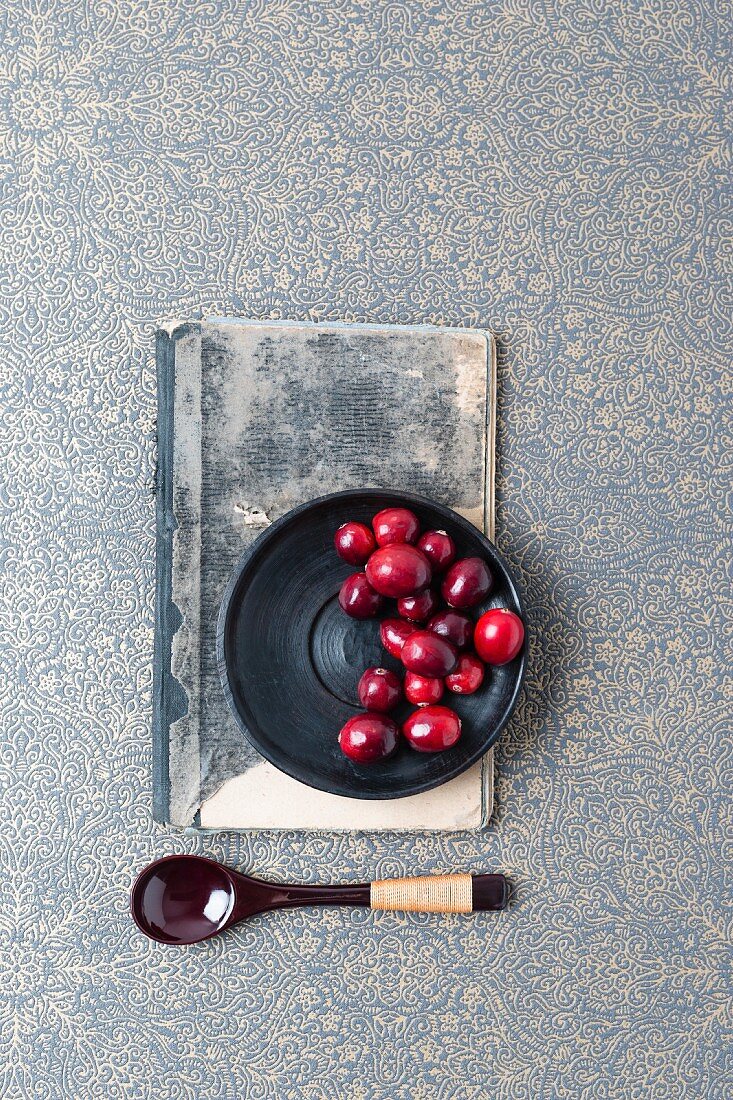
[[254, 419]]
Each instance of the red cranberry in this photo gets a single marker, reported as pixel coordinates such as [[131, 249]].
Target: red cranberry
[[369, 738], [393, 525], [428, 654], [432, 729], [467, 582], [454, 626], [467, 677], [354, 542], [398, 570], [358, 598], [394, 633], [439, 548], [499, 636], [379, 689], [422, 690], [419, 608]]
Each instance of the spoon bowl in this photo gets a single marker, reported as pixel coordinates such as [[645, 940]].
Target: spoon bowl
[[183, 899]]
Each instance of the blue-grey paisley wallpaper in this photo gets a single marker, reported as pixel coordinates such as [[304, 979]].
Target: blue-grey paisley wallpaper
[[559, 171]]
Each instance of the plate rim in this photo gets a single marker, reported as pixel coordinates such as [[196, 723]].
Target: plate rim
[[404, 497]]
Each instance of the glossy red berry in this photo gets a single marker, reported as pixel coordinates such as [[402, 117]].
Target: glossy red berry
[[432, 729], [467, 582], [419, 608], [369, 738], [428, 654], [499, 636], [454, 626], [394, 633], [358, 599], [395, 525], [398, 570], [439, 548], [467, 676], [379, 689], [423, 690], [354, 542]]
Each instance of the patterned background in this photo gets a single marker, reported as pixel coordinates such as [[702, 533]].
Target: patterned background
[[557, 171]]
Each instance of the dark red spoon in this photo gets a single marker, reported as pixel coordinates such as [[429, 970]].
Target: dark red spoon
[[184, 899]]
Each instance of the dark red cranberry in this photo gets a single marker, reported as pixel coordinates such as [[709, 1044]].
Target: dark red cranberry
[[393, 525], [394, 633], [398, 570], [467, 582], [499, 636], [379, 689], [369, 738], [423, 690], [454, 626], [428, 654], [439, 548], [432, 729], [354, 542], [358, 598], [467, 676], [419, 608]]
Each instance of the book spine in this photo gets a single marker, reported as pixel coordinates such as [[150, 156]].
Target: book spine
[[169, 700]]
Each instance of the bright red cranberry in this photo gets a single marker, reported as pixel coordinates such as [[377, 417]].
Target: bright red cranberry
[[454, 626], [379, 689], [354, 542], [394, 633], [398, 570], [439, 548], [467, 677], [432, 729], [393, 525], [358, 598], [419, 608], [467, 582], [499, 636], [369, 738], [423, 690], [428, 654]]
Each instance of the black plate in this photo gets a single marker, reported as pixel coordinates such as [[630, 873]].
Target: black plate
[[290, 659]]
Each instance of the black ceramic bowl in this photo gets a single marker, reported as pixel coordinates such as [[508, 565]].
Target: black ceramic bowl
[[290, 659]]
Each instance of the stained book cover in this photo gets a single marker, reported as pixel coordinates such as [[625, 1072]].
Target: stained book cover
[[255, 418]]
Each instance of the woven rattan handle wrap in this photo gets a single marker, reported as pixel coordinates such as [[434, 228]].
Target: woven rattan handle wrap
[[436, 894]]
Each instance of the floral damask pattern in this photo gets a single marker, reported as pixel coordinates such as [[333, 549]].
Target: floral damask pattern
[[559, 172]]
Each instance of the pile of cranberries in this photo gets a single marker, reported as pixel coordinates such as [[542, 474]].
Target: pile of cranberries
[[432, 635]]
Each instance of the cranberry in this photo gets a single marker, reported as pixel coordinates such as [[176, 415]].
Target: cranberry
[[354, 542], [422, 690], [432, 729], [499, 636], [467, 677], [369, 738], [467, 582], [394, 633], [454, 626], [398, 570], [393, 525], [439, 548], [428, 654], [358, 598], [419, 608], [379, 689]]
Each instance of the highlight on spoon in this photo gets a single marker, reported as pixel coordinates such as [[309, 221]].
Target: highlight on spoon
[[182, 899]]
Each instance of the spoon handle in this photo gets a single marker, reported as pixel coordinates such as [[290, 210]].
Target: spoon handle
[[429, 894]]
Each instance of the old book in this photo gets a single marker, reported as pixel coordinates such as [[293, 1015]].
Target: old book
[[255, 418]]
